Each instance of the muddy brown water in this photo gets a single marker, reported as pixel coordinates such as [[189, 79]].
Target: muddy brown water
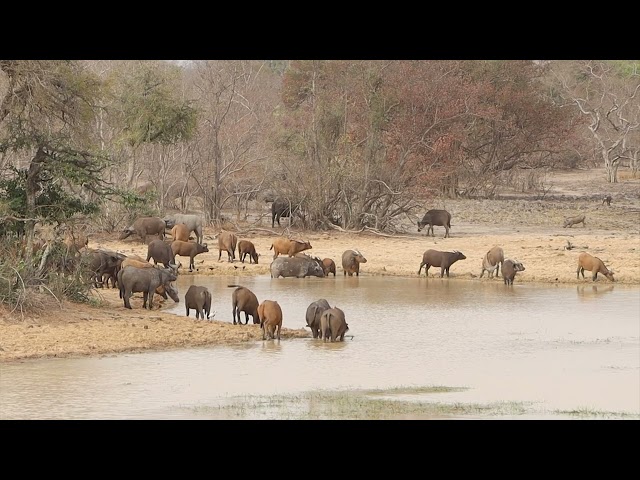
[[555, 348]]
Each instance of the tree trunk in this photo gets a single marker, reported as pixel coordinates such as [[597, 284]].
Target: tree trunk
[[611, 166], [32, 189]]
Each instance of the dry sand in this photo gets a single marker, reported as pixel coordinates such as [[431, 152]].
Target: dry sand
[[528, 230]]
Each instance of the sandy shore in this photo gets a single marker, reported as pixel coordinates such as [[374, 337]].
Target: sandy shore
[[530, 232]]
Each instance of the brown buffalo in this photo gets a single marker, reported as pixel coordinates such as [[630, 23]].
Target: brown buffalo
[[245, 247], [270, 315], [284, 246], [188, 249], [180, 232], [329, 266], [492, 260], [594, 265], [436, 258], [351, 260], [244, 300], [333, 325], [227, 243]]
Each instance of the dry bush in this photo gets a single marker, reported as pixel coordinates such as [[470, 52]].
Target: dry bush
[[36, 287]]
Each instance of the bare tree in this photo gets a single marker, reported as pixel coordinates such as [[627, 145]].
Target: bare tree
[[607, 93], [236, 98]]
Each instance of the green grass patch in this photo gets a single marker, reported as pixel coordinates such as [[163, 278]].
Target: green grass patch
[[353, 405], [586, 412]]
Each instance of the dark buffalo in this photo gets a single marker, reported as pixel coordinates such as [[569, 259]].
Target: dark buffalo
[[161, 252], [444, 260], [199, 299], [281, 208], [314, 312], [146, 280], [104, 263], [144, 226], [299, 267], [440, 218]]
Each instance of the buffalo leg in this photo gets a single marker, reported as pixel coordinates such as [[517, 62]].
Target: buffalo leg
[[127, 295]]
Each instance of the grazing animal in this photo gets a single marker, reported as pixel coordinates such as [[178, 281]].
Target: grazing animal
[[351, 260], [594, 265], [103, 263], [288, 247], [227, 243], [199, 299], [180, 232], [244, 300], [314, 312], [134, 262], [444, 260], [111, 273], [270, 315], [281, 208], [436, 217], [329, 266], [509, 270], [188, 249], [144, 226], [333, 325], [192, 221], [607, 200], [492, 260], [571, 221], [300, 267], [161, 252], [146, 280], [245, 247]]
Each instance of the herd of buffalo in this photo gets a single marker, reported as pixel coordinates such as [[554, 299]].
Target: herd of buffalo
[[134, 274]]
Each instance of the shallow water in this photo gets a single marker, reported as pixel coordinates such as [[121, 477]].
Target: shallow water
[[555, 348]]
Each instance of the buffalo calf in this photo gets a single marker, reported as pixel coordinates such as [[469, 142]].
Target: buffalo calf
[[509, 270]]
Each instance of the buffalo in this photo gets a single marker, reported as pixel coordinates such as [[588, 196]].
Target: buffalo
[[144, 226], [146, 280], [299, 267], [440, 218], [444, 260], [351, 260], [193, 223], [281, 208]]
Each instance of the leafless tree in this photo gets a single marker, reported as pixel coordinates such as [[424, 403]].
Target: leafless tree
[[608, 94]]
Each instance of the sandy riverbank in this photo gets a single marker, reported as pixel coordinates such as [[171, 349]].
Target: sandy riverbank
[[528, 231]]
